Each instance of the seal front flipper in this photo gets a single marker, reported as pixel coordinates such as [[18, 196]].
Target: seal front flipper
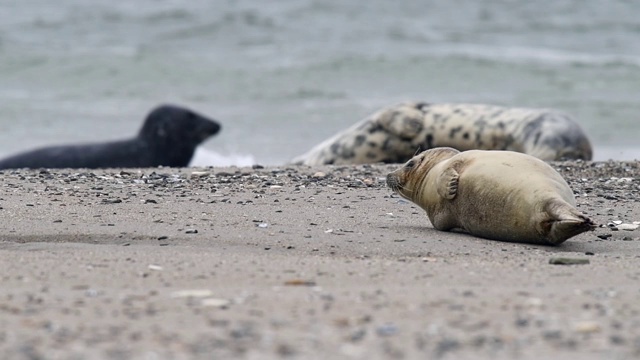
[[447, 183]]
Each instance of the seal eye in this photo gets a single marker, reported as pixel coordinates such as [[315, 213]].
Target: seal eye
[[410, 164]]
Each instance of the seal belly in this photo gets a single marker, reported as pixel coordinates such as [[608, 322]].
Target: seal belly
[[505, 197]]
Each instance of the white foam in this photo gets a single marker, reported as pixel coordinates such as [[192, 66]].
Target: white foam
[[205, 157]]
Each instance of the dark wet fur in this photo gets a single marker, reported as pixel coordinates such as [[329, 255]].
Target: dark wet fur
[[169, 137]]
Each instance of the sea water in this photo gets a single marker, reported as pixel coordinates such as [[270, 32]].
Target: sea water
[[281, 76]]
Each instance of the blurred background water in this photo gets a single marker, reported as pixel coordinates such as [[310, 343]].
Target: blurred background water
[[283, 75]]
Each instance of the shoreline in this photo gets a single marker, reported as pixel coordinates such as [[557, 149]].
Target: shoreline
[[301, 262]]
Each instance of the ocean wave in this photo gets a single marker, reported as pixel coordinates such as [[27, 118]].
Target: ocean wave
[[518, 54]]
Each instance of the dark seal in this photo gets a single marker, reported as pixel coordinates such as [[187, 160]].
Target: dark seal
[[169, 137]]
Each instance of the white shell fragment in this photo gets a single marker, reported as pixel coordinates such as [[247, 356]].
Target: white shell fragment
[[628, 227], [619, 225], [213, 302], [192, 293]]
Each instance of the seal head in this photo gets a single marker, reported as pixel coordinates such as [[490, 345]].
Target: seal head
[[172, 134]]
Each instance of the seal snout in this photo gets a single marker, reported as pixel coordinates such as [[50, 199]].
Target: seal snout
[[392, 182], [209, 127]]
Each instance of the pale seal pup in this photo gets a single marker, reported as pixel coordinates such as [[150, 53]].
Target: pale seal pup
[[394, 134], [500, 195], [168, 137]]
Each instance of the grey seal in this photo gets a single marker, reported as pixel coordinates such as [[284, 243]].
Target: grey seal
[[394, 134], [500, 195], [168, 137]]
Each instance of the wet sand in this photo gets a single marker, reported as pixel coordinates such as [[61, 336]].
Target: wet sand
[[299, 262]]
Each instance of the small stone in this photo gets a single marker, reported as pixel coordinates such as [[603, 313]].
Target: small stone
[[300, 282], [568, 261], [163, 237], [534, 302], [604, 236], [357, 335], [192, 231], [155, 267], [552, 334], [262, 225], [111, 201], [587, 327], [387, 330], [319, 175]]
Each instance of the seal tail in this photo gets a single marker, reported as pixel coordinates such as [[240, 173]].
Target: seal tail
[[565, 222]]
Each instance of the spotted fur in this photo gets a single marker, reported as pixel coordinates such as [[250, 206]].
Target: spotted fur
[[395, 134]]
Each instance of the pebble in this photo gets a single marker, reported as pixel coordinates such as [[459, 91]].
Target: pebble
[[111, 201], [568, 261], [387, 330], [191, 231], [300, 282], [587, 327], [155, 267]]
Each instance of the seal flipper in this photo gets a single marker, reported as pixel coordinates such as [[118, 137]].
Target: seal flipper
[[565, 222], [447, 184]]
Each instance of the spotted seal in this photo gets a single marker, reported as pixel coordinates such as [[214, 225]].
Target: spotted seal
[[394, 134], [500, 195], [168, 137]]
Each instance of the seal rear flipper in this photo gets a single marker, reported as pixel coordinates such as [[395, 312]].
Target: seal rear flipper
[[565, 223], [562, 230], [447, 183]]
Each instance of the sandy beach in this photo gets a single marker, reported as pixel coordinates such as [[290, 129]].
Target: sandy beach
[[302, 263]]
